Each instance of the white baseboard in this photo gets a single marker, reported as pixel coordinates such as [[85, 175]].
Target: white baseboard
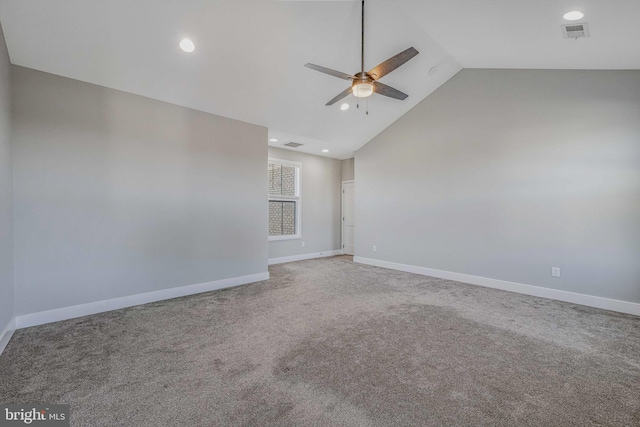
[[537, 291], [302, 257], [5, 336], [40, 318]]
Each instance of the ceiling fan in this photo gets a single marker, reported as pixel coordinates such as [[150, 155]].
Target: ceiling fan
[[366, 83]]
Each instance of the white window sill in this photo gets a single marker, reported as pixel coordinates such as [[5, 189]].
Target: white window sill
[[288, 237]]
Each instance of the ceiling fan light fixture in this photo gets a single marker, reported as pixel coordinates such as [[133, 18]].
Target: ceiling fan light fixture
[[362, 90]]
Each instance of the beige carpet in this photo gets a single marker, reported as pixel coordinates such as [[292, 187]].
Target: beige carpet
[[330, 343]]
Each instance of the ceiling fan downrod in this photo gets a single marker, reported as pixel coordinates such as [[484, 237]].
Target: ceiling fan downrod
[[362, 44]]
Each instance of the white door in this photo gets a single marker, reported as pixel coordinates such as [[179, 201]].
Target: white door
[[348, 217]]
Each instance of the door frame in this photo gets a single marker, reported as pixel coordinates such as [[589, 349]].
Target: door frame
[[351, 181]]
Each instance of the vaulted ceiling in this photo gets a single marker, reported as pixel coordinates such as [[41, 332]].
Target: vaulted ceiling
[[249, 57]]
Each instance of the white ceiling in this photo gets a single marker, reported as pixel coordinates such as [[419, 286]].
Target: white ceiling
[[527, 33], [249, 56]]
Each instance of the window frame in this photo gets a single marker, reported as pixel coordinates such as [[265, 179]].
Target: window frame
[[297, 199]]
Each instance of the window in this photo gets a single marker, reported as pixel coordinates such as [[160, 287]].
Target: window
[[284, 200]]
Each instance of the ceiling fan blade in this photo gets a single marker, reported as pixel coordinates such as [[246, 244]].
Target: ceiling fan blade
[[341, 95], [385, 90], [330, 71], [392, 63]]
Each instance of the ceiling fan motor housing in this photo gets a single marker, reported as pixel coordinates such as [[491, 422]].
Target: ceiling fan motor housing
[[362, 77]]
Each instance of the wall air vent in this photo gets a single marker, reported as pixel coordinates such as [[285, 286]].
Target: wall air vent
[[293, 144], [575, 31]]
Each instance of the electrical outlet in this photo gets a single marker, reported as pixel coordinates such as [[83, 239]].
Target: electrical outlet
[[374, 248], [303, 244], [555, 271]]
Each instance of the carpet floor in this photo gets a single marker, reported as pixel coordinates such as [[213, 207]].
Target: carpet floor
[[327, 342]]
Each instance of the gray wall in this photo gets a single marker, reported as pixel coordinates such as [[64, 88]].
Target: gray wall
[[6, 207], [116, 194], [348, 172], [321, 199], [506, 173]]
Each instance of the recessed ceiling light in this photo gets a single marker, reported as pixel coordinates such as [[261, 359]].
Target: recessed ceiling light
[[273, 140], [344, 107], [325, 151], [574, 15], [187, 45]]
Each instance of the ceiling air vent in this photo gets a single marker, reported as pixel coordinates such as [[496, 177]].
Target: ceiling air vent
[[575, 31], [293, 144]]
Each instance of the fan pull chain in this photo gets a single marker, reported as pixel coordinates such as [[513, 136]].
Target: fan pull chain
[[367, 102]]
